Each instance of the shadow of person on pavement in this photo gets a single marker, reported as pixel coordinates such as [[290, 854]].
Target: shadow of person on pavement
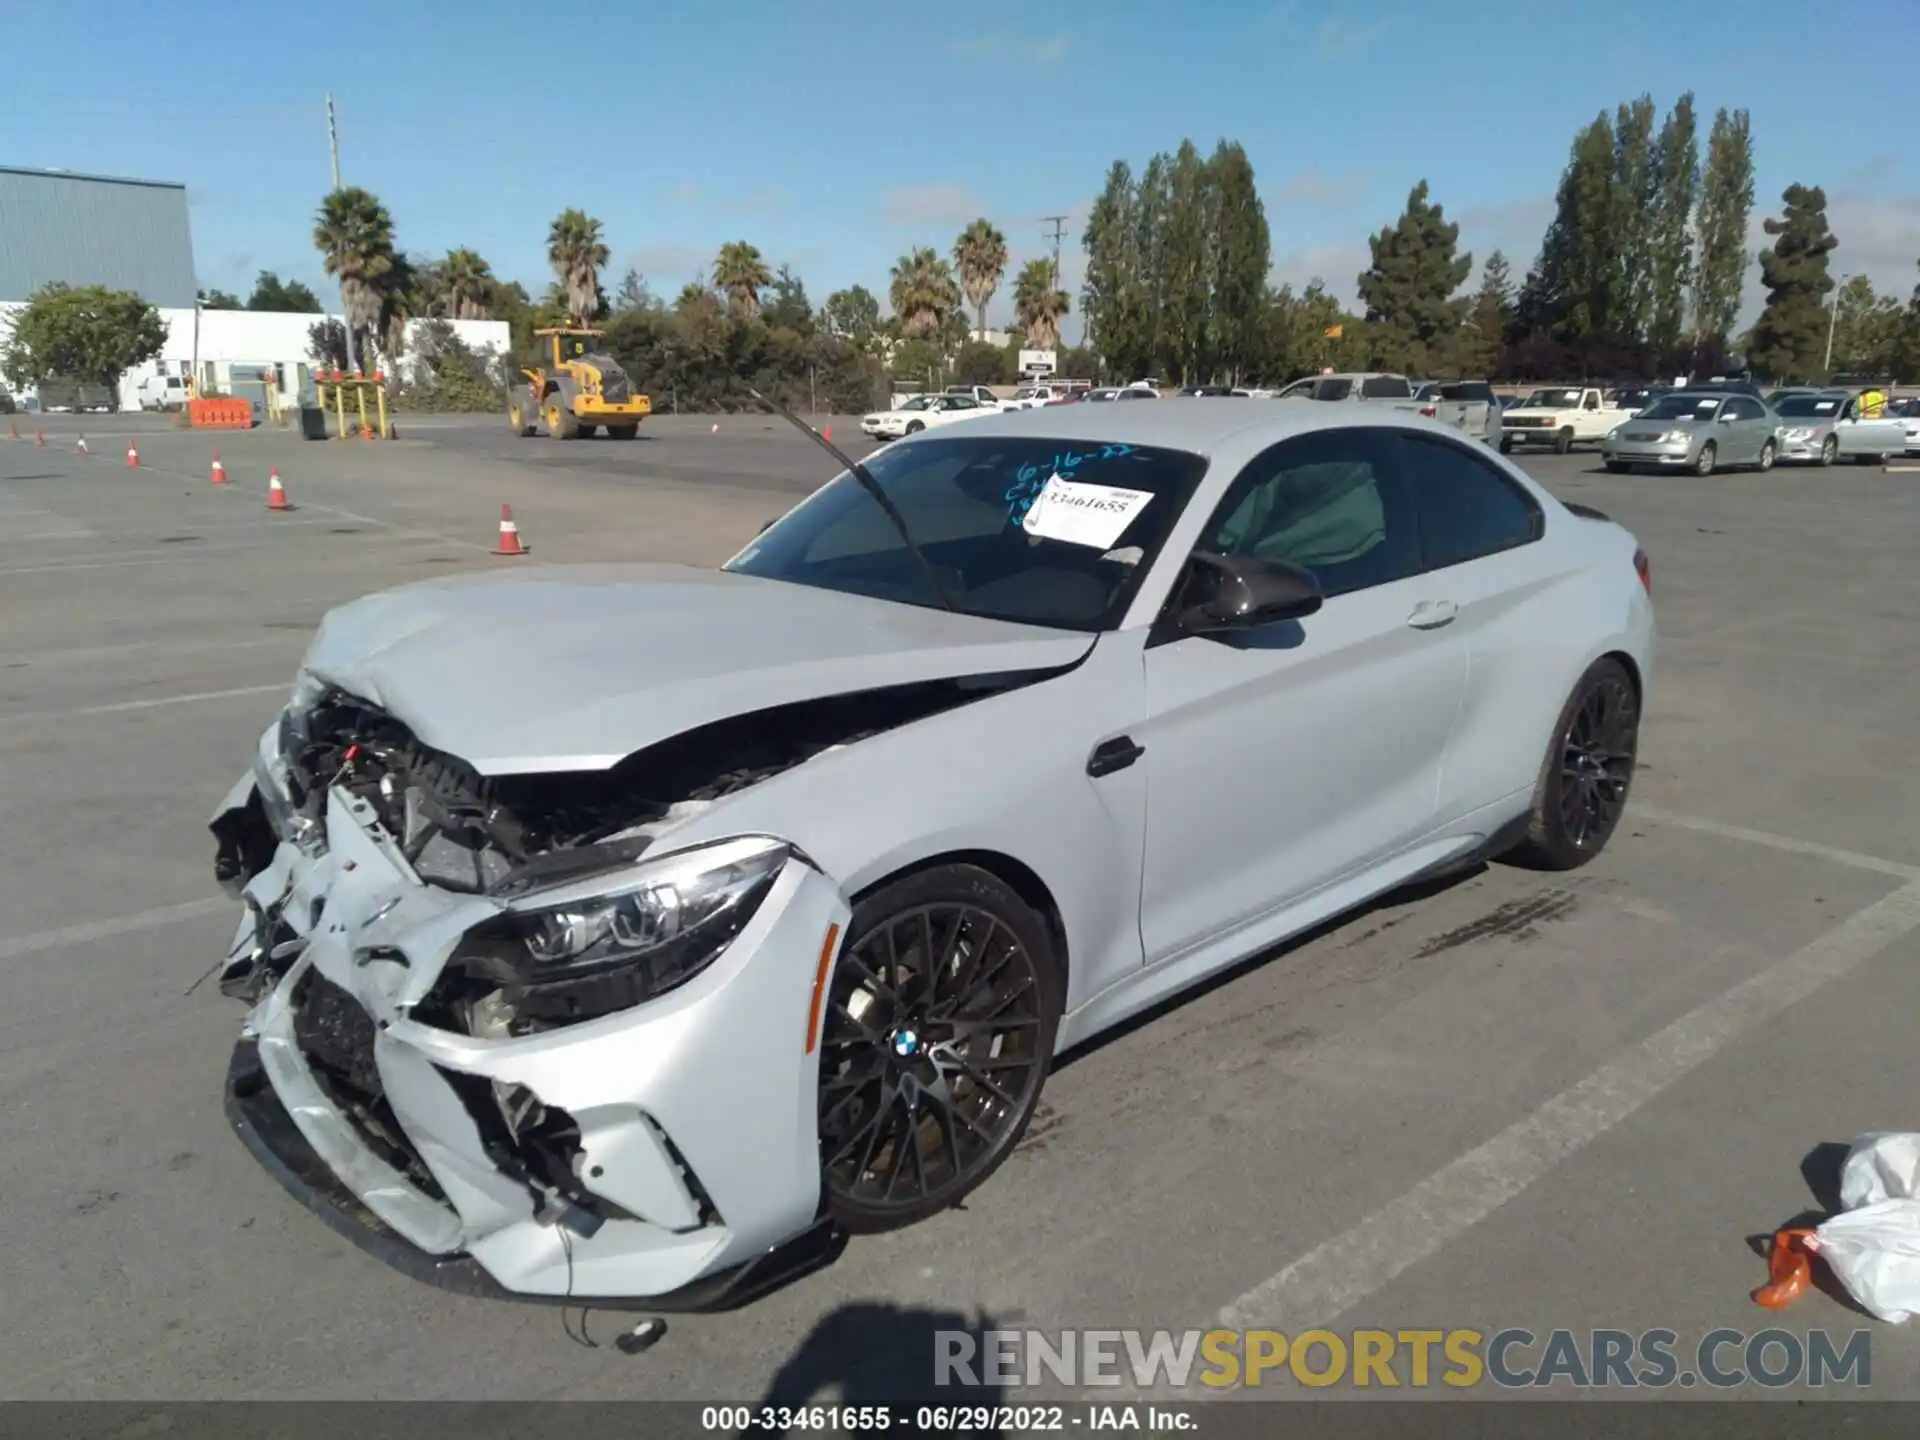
[[873, 1353]]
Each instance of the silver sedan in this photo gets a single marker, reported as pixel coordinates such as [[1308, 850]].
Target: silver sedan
[[1826, 426], [1698, 431]]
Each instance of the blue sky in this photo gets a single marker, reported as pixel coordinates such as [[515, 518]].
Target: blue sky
[[835, 135]]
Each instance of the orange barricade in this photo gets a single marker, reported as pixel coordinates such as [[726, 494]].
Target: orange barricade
[[220, 414]]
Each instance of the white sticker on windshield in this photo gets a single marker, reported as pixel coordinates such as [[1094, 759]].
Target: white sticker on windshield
[[1082, 514], [1821, 407]]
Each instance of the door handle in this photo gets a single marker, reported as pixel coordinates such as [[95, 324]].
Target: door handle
[[1432, 614], [1115, 754]]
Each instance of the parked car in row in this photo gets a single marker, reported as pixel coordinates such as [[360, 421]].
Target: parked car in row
[[1697, 431], [1826, 426], [1560, 417], [923, 412]]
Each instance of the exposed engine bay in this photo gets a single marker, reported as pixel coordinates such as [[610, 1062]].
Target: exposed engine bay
[[467, 832]]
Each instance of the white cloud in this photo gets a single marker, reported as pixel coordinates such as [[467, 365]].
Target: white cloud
[[1321, 189], [666, 266], [1012, 48], [914, 207], [1338, 36]]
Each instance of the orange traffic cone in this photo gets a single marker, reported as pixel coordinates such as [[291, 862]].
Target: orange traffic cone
[[13, 429], [276, 492], [219, 470], [827, 434], [39, 439], [133, 456], [509, 534]]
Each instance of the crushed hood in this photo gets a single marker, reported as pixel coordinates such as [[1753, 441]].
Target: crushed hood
[[577, 667]]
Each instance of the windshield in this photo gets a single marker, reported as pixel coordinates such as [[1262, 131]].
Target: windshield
[[1682, 407], [1552, 400], [975, 506], [1810, 407]]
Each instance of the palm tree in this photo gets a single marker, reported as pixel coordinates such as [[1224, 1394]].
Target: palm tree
[[740, 274], [354, 232], [1037, 306], [980, 255], [924, 294], [466, 285], [576, 252]]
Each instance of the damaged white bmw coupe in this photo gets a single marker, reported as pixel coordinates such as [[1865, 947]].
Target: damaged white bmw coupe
[[633, 935]]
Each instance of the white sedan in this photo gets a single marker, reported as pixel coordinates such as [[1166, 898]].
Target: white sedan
[[924, 412], [632, 935]]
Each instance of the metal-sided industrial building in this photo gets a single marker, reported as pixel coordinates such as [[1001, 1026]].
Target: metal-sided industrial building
[[92, 230]]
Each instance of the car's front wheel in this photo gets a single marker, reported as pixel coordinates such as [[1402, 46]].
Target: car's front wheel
[[1767, 453], [1587, 773], [937, 1037]]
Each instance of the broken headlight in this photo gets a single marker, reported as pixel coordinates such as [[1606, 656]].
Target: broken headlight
[[594, 946]]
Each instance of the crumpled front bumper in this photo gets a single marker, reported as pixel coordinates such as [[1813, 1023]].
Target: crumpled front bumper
[[693, 1142]]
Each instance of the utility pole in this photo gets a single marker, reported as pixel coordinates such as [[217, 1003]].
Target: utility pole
[[1833, 323], [1056, 230], [346, 320]]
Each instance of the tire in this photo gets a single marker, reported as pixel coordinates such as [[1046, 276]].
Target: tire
[[1506, 444], [1587, 773], [561, 422], [1618, 467], [914, 427], [1563, 442], [1765, 462], [622, 432], [517, 420], [876, 1094], [1829, 450], [1709, 459]]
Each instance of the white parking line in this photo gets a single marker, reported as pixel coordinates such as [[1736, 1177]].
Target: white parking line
[[1654, 813], [1340, 1273], [12, 949], [156, 703]]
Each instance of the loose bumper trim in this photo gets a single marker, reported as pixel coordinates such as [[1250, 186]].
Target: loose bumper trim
[[268, 1132]]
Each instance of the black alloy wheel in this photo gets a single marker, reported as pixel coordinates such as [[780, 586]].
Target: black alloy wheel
[[938, 1034], [1583, 785]]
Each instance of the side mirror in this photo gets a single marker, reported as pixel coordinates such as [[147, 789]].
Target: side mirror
[[1240, 592], [1726, 419]]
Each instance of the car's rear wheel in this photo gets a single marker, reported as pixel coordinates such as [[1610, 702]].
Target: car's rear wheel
[[1588, 771], [937, 1037], [1708, 460]]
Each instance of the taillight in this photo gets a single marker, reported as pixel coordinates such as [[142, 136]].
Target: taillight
[[1643, 567], [1430, 411]]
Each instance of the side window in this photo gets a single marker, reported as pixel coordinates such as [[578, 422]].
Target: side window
[[1592, 402], [1751, 410], [1466, 507], [1329, 502]]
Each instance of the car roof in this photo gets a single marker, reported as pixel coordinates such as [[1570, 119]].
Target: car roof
[[1190, 424]]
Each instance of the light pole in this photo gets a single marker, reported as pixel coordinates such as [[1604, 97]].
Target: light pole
[[1833, 321]]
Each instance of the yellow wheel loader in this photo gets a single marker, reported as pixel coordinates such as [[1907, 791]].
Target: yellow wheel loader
[[580, 391]]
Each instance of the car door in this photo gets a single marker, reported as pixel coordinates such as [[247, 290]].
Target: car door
[[1859, 437], [1479, 534], [1746, 430], [1283, 758]]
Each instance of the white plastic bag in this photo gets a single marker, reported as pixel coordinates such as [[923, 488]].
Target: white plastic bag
[[1873, 1248], [1882, 1165]]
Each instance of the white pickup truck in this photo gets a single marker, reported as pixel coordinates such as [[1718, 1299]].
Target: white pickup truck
[[1561, 417]]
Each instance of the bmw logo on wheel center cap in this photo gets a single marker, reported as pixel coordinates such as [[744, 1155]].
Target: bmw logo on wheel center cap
[[906, 1044]]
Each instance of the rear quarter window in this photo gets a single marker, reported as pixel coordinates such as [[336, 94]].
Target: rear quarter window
[[1386, 387]]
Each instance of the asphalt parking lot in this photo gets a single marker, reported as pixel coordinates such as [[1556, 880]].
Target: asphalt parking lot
[[1513, 1100]]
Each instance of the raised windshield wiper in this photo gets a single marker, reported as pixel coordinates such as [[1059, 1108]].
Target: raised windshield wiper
[[867, 483]]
